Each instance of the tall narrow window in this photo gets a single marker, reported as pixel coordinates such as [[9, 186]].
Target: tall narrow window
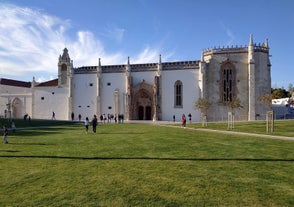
[[178, 94], [228, 84]]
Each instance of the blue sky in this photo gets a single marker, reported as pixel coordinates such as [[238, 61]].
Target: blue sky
[[33, 33]]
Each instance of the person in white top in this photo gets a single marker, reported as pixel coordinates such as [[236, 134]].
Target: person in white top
[[87, 123]]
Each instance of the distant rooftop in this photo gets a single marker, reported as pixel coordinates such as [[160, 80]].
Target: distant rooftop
[[17, 83], [53, 82], [10, 82]]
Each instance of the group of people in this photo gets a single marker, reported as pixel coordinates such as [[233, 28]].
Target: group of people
[[109, 117], [26, 117], [73, 116], [94, 123], [103, 118], [184, 120]]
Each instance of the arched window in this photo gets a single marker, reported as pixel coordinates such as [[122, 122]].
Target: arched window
[[228, 82], [178, 91]]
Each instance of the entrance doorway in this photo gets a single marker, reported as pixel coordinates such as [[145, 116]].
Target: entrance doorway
[[144, 113], [142, 107], [148, 112], [141, 113]]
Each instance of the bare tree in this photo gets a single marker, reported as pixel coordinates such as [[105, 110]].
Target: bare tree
[[267, 99], [232, 105], [203, 104]]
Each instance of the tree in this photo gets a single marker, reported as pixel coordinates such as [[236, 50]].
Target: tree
[[290, 89], [267, 99], [235, 103], [203, 104], [279, 93], [291, 93]]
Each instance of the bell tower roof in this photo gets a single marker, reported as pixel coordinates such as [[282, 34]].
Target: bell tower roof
[[65, 55]]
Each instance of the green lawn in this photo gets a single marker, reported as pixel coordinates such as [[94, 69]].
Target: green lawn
[[281, 127], [144, 165]]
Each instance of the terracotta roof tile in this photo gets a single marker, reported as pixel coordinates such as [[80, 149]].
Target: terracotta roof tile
[[48, 83], [10, 82]]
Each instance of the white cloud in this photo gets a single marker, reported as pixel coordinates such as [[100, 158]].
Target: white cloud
[[26, 38], [147, 55], [31, 41], [42, 79], [114, 32], [151, 55], [229, 33]]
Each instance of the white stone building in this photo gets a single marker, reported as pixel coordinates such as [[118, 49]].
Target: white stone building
[[149, 91]]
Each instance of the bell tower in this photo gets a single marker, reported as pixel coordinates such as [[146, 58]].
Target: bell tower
[[64, 69]]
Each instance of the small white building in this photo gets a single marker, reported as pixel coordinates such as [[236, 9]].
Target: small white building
[[283, 108], [147, 91]]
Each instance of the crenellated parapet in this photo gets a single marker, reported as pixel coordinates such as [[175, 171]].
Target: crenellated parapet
[[261, 47], [85, 69], [180, 65]]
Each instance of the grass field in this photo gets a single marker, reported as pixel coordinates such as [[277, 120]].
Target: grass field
[[145, 165], [281, 127]]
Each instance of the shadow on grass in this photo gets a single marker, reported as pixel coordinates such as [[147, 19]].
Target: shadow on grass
[[37, 144], [37, 132], [118, 133], [54, 130], [9, 151], [151, 158]]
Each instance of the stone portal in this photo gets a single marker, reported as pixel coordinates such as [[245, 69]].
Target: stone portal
[[142, 102]]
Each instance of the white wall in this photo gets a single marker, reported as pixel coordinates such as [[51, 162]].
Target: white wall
[[84, 92], [191, 93], [147, 76], [49, 99], [11, 93], [111, 82]]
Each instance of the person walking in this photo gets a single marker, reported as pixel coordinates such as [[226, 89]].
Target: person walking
[[5, 135], [87, 123], [53, 115], [184, 120], [94, 123], [190, 117]]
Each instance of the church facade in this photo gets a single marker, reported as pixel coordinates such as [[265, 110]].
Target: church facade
[[149, 91]]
